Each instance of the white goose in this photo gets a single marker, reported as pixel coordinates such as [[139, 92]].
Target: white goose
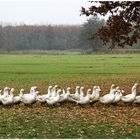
[[130, 97], [110, 92], [54, 92], [108, 98], [17, 99], [117, 95], [8, 100], [84, 99], [30, 98], [0, 96], [65, 95], [42, 98], [82, 94], [76, 95], [33, 89], [95, 94], [55, 99], [5, 92]]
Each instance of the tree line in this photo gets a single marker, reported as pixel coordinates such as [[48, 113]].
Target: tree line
[[26, 37], [51, 37]]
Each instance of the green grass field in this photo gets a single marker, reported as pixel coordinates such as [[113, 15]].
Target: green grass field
[[69, 120], [27, 70]]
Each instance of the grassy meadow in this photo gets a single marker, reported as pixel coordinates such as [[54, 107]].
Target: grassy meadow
[[69, 120]]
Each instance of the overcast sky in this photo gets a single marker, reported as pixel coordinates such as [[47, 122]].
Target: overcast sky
[[42, 11]]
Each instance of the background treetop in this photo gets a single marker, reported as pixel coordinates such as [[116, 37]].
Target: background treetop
[[123, 23]]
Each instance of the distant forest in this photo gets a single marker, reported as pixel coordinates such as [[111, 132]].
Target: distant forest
[[52, 37]]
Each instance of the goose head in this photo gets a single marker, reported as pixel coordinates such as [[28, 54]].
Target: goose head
[[88, 91], [68, 89], [117, 91], [136, 84], [6, 89], [33, 89], [112, 89], [122, 91], [112, 86], [94, 88], [59, 91], [82, 88], [81, 91], [21, 92], [98, 89], [134, 87], [56, 86], [12, 91], [9, 89], [50, 87], [77, 89], [117, 88]]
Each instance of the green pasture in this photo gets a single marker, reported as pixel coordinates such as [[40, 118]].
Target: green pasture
[[65, 69], [69, 120]]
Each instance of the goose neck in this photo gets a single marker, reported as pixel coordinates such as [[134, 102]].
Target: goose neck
[[81, 91], [76, 91], [68, 92], [134, 91], [11, 94]]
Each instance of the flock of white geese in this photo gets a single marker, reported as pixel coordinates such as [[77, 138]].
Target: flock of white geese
[[55, 95]]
